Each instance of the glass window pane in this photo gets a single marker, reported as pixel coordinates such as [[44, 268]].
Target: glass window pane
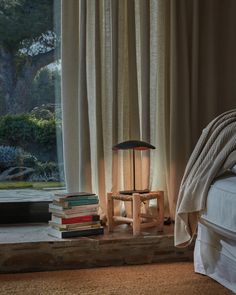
[[30, 110]]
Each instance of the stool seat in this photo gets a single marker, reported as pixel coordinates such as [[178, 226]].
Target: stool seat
[[138, 220]]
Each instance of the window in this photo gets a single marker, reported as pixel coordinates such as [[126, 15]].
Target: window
[[30, 112]]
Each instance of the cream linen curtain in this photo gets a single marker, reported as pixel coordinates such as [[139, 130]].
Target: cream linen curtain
[[157, 70], [112, 63]]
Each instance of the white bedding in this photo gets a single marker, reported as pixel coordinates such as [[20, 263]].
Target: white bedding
[[213, 155], [215, 256], [221, 204], [215, 248]]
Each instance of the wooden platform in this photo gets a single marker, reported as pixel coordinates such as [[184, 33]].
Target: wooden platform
[[27, 248]]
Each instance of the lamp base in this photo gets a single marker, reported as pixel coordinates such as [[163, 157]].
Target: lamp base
[[130, 192]]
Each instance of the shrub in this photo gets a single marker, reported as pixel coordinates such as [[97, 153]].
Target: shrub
[[28, 160], [45, 133], [17, 130], [9, 156], [38, 136], [42, 113], [48, 171]]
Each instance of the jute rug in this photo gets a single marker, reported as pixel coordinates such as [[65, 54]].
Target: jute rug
[[152, 279]]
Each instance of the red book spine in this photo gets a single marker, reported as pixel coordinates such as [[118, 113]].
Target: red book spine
[[86, 218]]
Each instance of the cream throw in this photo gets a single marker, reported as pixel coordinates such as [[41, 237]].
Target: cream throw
[[210, 158]]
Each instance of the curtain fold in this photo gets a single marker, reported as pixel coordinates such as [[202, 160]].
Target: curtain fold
[[200, 80], [110, 48], [155, 70]]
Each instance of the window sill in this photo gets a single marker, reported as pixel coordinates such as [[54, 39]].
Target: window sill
[[24, 233]]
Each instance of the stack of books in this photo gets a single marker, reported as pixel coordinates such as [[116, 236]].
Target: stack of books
[[74, 215]]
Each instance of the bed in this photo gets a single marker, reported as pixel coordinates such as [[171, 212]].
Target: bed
[[207, 201], [215, 247]]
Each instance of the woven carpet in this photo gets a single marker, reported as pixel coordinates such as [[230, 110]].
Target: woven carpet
[[151, 279]]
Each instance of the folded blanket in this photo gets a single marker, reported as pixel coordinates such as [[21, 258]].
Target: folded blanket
[[212, 156]]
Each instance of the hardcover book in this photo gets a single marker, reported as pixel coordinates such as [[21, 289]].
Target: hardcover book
[[86, 218], [66, 195], [75, 233], [60, 207], [76, 198], [77, 228], [70, 203], [74, 225], [71, 215]]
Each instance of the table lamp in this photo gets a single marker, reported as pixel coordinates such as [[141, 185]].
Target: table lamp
[[134, 145]]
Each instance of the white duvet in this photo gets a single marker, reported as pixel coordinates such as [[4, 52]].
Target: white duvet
[[215, 248], [221, 204]]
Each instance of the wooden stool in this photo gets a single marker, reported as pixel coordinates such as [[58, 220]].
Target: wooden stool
[[138, 220]]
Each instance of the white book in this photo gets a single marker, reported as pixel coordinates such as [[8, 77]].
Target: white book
[[76, 214], [84, 227], [73, 209], [74, 225]]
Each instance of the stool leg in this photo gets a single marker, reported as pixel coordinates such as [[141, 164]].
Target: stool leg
[[110, 212], [145, 208], [136, 214], [160, 208]]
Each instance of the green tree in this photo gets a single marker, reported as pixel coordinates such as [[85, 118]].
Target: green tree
[[44, 90], [28, 42]]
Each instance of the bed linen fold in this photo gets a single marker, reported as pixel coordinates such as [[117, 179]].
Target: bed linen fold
[[214, 154]]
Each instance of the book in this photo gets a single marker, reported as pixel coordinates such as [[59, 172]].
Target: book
[[76, 214], [75, 233], [66, 195], [71, 203], [60, 207], [75, 197], [84, 227], [73, 225], [86, 218]]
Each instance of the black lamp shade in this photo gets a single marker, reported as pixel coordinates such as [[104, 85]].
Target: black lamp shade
[[133, 144]]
